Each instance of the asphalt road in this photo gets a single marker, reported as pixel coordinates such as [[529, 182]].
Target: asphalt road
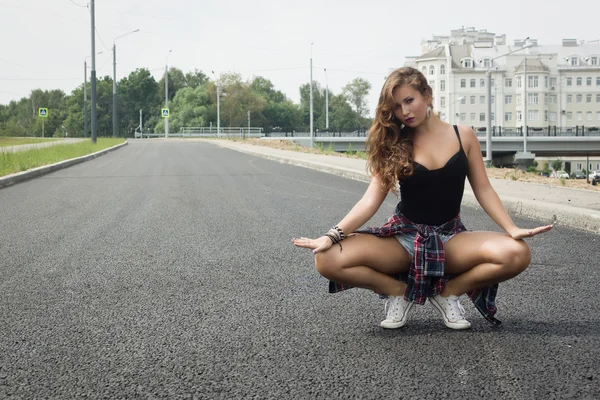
[[166, 270]]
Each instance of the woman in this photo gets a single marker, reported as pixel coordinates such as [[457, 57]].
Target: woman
[[424, 250]]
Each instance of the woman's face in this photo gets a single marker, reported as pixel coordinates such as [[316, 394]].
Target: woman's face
[[410, 107]]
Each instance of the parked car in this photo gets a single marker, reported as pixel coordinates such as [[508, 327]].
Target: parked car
[[592, 174], [545, 173], [560, 174], [577, 175], [596, 180]]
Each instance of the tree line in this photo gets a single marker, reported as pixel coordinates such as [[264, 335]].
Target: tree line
[[192, 102]]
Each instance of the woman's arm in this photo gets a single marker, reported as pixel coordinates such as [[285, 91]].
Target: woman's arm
[[485, 193], [362, 211]]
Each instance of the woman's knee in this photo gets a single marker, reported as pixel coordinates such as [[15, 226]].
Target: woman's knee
[[326, 265], [518, 257]]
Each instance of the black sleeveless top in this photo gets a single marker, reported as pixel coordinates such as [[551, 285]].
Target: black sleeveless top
[[433, 197]]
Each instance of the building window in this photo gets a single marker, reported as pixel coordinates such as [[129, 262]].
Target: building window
[[482, 83], [481, 99], [443, 69], [463, 83], [569, 98], [463, 100], [552, 99], [598, 98], [579, 81], [518, 81], [493, 117], [574, 61], [533, 81], [579, 116], [588, 98], [594, 60], [588, 81], [424, 70], [532, 115], [552, 116], [481, 117], [473, 116], [569, 81], [442, 102], [532, 98], [545, 116], [579, 166], [493, 98], [508, 82], [432, 84], [468, 63], [518, 99], [553, 82], [598, 81], [579, 98], [598, 116], [519, 116], [473, 83], [508, 99], [508, 116], [463, 117], [442, 86], [493, 82], [431, 70], [472, 99], [545, 81], [486, 63], [588, 116], [545, 98], [569, 116]]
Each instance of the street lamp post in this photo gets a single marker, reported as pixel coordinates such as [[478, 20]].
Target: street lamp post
[[167, 93], [312, 139], [488, 135], [218, 105], [326, 101], [85, 116], [115, 80], [93, 74]]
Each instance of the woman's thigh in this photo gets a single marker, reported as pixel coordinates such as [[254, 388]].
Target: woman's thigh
[[466, 250], [384, 255]]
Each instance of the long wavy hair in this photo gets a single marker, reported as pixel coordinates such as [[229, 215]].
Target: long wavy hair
[[390, 143]]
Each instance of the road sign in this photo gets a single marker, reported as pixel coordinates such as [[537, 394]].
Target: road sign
[[43, 112], [165, 113]]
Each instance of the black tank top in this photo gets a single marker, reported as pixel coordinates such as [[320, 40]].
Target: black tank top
[[433, 197]]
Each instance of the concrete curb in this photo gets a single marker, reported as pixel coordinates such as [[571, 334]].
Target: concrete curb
[[573, 217], [46, 169]]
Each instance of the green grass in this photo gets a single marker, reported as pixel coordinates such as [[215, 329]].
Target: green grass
[[12, 141], [11, 163]]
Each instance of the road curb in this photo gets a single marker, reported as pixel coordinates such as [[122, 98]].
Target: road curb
[[573, 217], [9, 180]]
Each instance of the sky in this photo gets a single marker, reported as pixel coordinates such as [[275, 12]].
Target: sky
[[45, 42]]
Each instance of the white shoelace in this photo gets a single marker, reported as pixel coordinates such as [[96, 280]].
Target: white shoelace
[[392, 310], [457, 308]]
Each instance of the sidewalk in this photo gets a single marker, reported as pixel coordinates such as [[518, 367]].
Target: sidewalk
[[569, 207]]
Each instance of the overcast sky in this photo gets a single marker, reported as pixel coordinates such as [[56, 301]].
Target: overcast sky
[[44, 42]]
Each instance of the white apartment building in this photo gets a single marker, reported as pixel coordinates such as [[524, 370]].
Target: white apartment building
[[562, 86]]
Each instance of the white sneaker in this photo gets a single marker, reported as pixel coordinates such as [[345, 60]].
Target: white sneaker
[[451, 310], [397, 312]]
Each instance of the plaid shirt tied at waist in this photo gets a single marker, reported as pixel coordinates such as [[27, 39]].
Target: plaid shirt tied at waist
[[426, 277]]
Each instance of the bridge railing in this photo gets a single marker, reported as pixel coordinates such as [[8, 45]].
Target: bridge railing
[[547, 131]]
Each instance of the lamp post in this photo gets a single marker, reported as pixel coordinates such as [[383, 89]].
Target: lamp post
[[167, 92], [488, 75], [93, 73], [85, 116], [326, 101], [218, 105], [312, 139], [115, 80]]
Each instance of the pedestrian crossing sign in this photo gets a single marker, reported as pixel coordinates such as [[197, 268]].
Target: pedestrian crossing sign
[[165, 113], [43, 112]]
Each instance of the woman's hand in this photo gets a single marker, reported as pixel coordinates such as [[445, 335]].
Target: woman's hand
[[519, 233], [316, 245]]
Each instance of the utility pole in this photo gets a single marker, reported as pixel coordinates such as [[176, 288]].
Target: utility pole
[[326, 101], [312, 139], [93, 74]]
